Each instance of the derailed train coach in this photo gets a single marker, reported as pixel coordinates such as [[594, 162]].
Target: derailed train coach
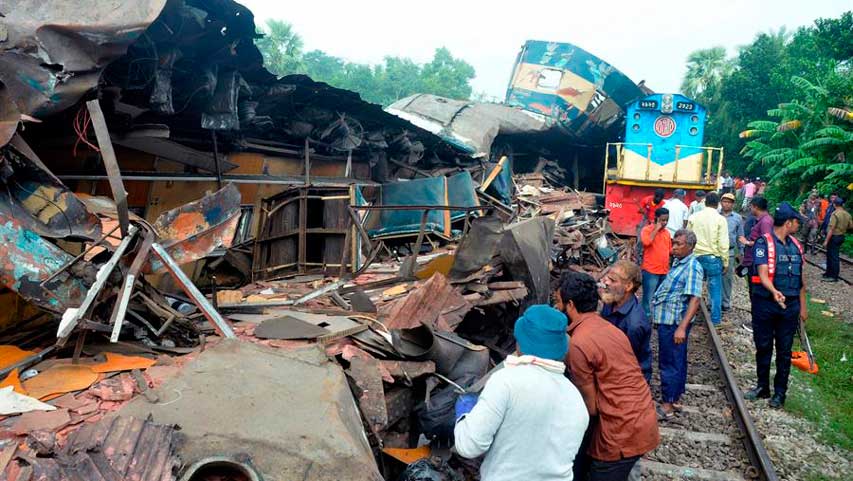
[[562, 104]]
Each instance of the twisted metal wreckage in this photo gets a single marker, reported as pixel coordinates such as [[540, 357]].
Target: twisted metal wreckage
[[361, 270]]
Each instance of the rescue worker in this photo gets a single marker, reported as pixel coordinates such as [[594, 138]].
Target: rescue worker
[[778, 298]]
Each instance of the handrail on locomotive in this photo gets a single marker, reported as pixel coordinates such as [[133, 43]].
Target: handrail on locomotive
[[710, 162]]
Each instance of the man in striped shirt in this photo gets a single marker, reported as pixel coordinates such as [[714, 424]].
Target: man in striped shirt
[[674, 305]]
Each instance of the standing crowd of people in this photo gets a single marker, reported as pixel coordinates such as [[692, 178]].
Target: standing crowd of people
[[575, 400]]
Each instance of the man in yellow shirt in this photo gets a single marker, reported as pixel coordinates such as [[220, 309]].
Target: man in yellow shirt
[[712, 250]]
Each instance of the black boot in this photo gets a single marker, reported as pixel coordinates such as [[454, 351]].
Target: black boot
[[777, 401], [757, 393]]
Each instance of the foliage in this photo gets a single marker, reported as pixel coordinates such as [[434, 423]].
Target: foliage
[[385, 83], [825, 398], [806, 146], [281, 47], [705, 71], [802, 82]]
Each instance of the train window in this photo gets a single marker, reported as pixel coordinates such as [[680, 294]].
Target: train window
[[635, 127], [694, 131], [549, 78], [636, 116], [694, 118]]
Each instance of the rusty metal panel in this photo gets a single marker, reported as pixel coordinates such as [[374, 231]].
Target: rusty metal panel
[[194, 230], [29, 259]]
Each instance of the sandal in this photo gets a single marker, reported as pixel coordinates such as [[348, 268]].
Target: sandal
[[662, 414]]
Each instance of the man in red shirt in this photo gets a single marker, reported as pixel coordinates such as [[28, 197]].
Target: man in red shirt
[[602, 365], [648, 205], [657, 245]]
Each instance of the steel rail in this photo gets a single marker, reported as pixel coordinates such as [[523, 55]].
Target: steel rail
[[755, 449], [840, 277]]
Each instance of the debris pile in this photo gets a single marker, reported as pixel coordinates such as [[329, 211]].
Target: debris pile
[[186, 238]]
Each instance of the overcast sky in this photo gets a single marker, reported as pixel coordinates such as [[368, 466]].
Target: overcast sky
[[644, 39]]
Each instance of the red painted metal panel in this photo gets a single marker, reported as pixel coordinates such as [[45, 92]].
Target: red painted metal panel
[[623, 201]]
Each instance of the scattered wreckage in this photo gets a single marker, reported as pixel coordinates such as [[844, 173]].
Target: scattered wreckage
[[187, 238]]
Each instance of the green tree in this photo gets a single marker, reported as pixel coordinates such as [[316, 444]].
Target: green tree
[[706, 69], [281, 48], [810, 144], [447, 76], [385, 83], [760, 80]]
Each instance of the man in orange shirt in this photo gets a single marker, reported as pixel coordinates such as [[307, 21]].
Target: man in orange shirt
[[657, 244], [623, 424], [648, 205]]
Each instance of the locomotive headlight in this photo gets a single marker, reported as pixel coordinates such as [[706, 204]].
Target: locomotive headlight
[[666, 104], [636, 116], [694, 131], [694, 118], [635, 127]]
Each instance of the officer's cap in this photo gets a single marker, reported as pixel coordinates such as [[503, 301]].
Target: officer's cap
[[784, 211]]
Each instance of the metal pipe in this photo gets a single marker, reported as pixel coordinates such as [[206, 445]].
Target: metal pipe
[[216, 159], [192, 291]]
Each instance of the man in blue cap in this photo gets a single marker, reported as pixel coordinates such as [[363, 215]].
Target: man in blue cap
[[529, 420], [778, 302]]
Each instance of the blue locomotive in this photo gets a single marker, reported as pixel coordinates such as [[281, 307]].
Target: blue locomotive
[[663, 147]]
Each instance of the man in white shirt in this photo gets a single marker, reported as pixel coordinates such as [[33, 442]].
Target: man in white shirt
[[530, 419], [677, 211], [697, 205]]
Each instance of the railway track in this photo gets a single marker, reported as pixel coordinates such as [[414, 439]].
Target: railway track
[[846, 274], [713, 438]]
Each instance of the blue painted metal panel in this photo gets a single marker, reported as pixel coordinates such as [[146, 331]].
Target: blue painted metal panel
[[648, 124], [592, 72]]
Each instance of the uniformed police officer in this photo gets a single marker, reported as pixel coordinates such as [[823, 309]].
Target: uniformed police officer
[[778, 302]]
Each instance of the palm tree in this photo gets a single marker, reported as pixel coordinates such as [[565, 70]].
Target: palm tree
[[705, 69], [281, 47]]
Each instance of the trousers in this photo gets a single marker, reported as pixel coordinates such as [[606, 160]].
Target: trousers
[[650, 285], [713, 267], [772, 324], [728, 279], [833, 256], [672, 362], [612, 470], [810, 237]]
